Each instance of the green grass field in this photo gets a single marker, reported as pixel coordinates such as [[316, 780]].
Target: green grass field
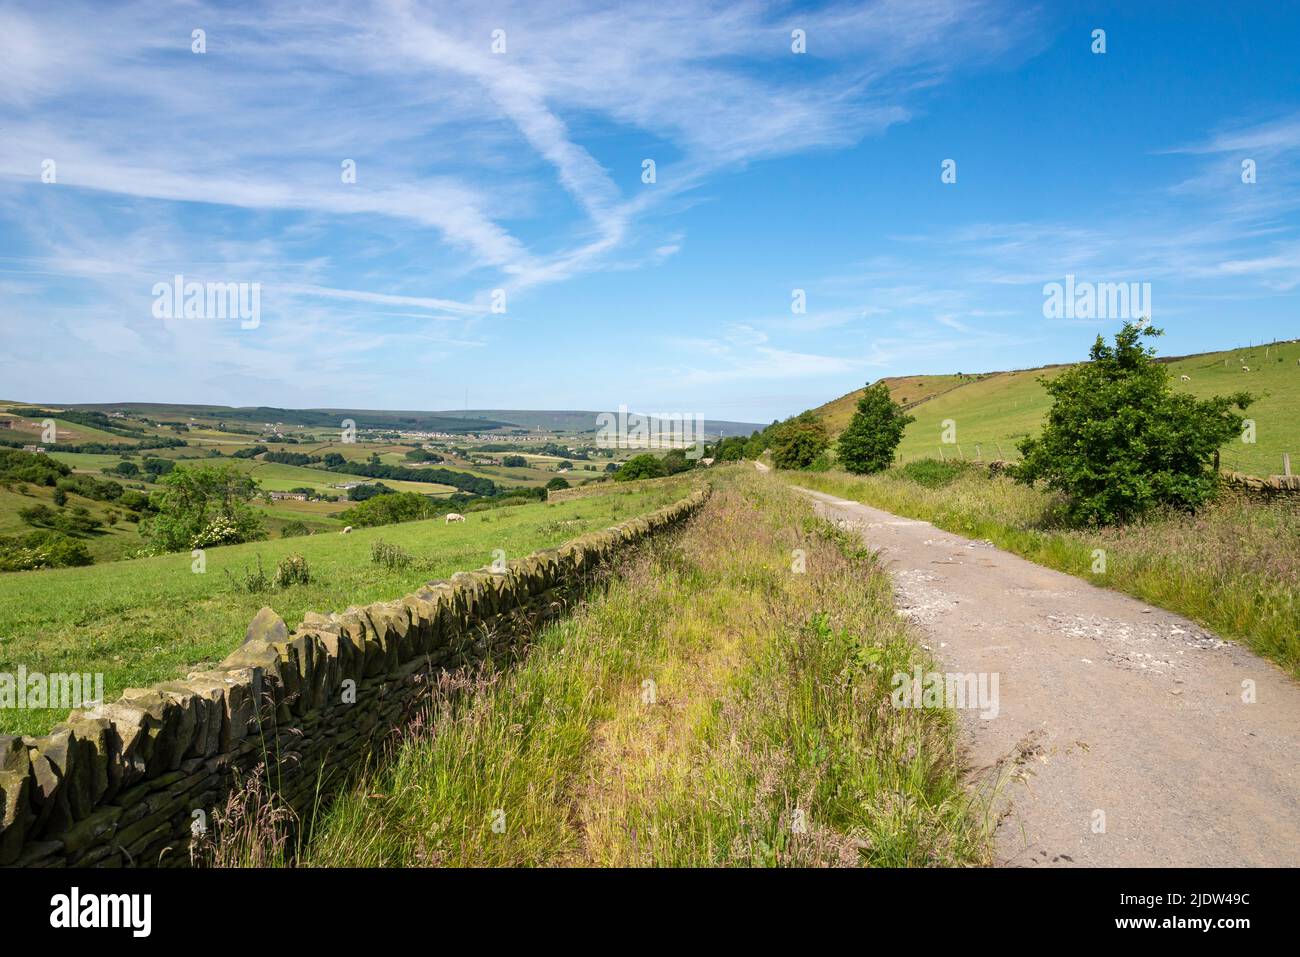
[[992, 413], [149, 619]]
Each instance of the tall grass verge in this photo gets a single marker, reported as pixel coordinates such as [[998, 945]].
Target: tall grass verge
[[712, 706]]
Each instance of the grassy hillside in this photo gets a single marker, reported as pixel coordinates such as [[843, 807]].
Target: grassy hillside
[[108, 544], [149, 619], [994, 411], [906, 390]]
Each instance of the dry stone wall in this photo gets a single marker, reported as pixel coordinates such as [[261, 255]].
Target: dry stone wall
[[1267, 486], [119, 785]]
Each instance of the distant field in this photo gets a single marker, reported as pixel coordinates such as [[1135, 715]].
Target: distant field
[[29, 430], [150, 619], [275, 477], [993, 412], [92, 462]]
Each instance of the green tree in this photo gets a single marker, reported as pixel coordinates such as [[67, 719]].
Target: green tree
[[676, 461], [390, 509], [869, 442], [558, 483], [640, 466], [1119, 441], [205, 503], [730, 449], [60, 497], [798, 442]]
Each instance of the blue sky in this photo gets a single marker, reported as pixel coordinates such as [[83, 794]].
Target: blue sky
[[522, 171]]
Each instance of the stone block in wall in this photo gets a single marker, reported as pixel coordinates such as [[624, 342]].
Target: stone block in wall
[[266, 626], [235, 689], [209, 692], [92, 738], [54, 779], [318, 622], [258, 665], [16, 812], [169, 725], [97, 828]]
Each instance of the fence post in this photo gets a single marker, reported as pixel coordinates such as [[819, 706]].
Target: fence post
[[1286, 463]]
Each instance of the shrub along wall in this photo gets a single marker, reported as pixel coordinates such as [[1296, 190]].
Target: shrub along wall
[[119, 785]]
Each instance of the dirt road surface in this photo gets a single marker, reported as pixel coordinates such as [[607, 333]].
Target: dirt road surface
[[1121, 732]]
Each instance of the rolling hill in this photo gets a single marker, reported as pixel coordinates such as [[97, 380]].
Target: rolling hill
[[993, 411], [452, 421]]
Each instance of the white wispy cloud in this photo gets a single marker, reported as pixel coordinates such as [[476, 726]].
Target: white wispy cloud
[[474, 170]]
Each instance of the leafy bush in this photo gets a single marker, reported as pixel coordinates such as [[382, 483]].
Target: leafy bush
[[251, 581], [514, 461], [869, 442], [88, 487], [392, 557], [390, 509], [362, 493], [676, 461], [291, 458], [796, 443], [294, 529], [78, 521], [292, 570], [933, 473], [1120, 442], [124, 468], [558, 483], [201, 506], [43, 549], [423, 455], [641, 466], [219, 531], [31, 467], [39, 515]]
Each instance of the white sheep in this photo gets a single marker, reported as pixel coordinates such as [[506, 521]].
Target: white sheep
[[1245, 368], [346, 530], [454, 517], [1185, 378]]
